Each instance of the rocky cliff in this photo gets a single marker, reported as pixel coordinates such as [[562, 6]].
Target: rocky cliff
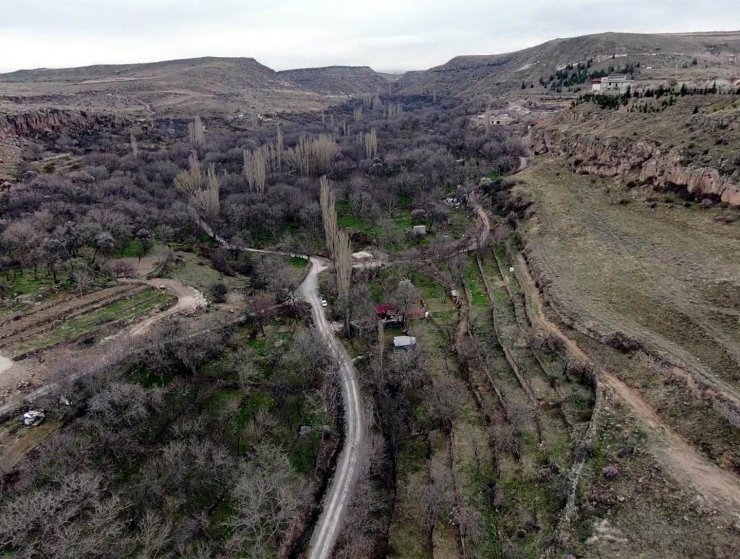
[[640, 160], [36, 122]]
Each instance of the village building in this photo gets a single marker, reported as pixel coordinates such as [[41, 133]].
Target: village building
[[387, 312], [404, 342], [615, 83]]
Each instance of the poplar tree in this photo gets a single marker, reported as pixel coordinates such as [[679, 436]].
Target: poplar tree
[[328, 215], [197, 132], [371, 144], [134, 146]]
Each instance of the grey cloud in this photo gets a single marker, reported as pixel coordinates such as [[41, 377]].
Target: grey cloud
[[289, 33]]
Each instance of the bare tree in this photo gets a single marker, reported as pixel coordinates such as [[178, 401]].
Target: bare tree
[[197, 132], [255, 170], [192, 179], [328, 215], [371, 144], [377, 104], [279, 147], [381, 345], [266, 499], [313, 155], [207, 199], [394, 110], [134, 146], [343, 269], [405, 295]]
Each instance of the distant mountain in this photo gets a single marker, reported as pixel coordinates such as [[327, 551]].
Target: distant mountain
[[554, 65], [339, 80], [237, 86], [224, 85]]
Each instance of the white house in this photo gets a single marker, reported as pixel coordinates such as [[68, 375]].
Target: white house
[[616, 83]]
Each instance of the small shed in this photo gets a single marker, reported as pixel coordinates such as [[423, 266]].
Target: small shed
[[404, 341], [419, 230]]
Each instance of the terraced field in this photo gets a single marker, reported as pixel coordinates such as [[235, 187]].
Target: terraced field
[[68, 317]]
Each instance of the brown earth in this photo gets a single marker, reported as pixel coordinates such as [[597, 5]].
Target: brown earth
[[720, 488]]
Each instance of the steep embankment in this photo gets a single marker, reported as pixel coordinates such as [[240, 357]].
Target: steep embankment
[[686, 147], [18, 126], [644, 160], [30, 123]]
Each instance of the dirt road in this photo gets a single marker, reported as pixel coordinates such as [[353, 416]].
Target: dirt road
[[719, 488], [339, 495], [188, 300], [337, 499]]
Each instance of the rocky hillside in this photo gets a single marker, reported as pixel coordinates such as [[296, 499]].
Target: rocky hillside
[[687, 147], [199, 85], [338, 80], [53, 121], [554, 65]]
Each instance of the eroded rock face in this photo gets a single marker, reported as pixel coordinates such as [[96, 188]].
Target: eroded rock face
[[53, 121], [620, 157]]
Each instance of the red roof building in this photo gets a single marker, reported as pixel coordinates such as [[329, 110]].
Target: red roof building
[[385, 310]]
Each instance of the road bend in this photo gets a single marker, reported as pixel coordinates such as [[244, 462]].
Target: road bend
[[348, 467]]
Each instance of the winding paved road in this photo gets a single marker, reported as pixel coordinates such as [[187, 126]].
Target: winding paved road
[[348, 468]]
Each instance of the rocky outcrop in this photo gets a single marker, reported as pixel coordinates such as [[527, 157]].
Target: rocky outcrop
[[53, 121], [640, 160]]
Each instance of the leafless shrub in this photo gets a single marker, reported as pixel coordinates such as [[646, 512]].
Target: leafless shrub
[[73, 518], [267, 498], [120, 403]]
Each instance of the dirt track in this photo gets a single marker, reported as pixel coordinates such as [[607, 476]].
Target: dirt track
[[342, 485], [188, 300], [15, 373], [719, 488]]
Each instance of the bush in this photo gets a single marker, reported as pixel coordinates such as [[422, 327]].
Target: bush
[[217, 291]]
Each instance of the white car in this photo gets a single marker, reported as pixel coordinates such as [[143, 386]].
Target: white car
[[323, 301]]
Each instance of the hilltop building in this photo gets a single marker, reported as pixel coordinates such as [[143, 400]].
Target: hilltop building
[[615, 83]]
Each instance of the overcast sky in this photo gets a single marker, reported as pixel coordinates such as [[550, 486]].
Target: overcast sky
[[388, 35]]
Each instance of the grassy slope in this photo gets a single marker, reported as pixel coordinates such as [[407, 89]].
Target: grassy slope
[[667, 276]]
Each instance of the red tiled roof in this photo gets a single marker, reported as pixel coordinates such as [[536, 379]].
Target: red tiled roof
[[385, 308]]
